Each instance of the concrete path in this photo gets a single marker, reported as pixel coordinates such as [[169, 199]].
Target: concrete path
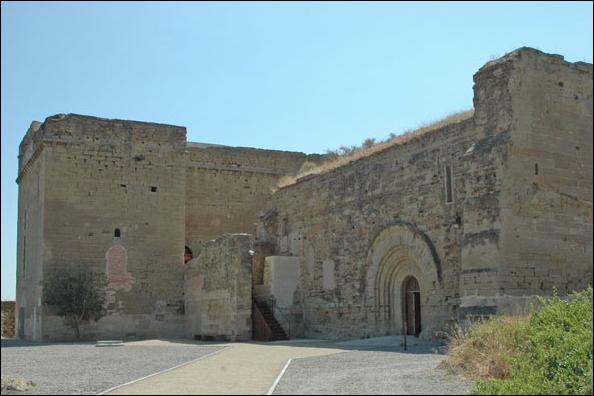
[[241, 368], [371, 372]]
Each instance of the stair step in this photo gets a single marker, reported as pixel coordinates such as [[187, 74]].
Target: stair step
[[276, 330]]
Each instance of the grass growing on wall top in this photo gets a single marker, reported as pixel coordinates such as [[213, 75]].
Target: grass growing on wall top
[[345, 155], [547, 352]]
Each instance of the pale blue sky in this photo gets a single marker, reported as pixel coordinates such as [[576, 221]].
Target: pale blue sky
[[288, 76]]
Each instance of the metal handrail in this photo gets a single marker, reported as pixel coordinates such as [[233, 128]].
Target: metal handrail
[[270, 301]]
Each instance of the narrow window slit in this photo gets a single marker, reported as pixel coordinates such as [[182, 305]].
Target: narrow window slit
[[448, 184]]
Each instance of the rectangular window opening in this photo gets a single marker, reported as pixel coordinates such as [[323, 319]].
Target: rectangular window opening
[[153, 189], [448, 184]]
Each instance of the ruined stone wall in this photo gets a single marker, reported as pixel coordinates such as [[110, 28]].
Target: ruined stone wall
[[228, 186], [8, 319], [110, 196], [333, 221], [547, 197], [540, 108], [480, 248], [122, 198], [363, 228], [109, 177], [218, 290]]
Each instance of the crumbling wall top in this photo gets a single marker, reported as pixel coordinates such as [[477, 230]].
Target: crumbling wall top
[[524, 52], [247, 158], [76, 126], [83, 129]]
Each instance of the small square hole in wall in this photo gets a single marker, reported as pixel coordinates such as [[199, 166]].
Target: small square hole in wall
[[153, 189]]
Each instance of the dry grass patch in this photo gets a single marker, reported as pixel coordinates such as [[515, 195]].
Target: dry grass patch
[[346, 155], [486, 349], [548, 352]]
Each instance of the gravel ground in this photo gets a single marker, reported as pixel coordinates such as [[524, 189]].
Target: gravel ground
[[371, 372], [85, 369]]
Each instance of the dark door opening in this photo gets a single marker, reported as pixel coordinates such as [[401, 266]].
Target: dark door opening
[[412, 306]]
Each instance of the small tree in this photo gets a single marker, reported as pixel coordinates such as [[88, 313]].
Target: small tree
[[78, 296]]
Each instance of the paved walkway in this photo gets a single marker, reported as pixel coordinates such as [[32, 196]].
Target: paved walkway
[[241, 368]]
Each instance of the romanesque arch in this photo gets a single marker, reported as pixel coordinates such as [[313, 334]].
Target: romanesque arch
[[397, 254]]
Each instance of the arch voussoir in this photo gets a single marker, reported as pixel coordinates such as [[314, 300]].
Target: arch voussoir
[[398, 253]]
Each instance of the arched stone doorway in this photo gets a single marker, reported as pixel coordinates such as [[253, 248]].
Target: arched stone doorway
[[400, 264], [412, 306]]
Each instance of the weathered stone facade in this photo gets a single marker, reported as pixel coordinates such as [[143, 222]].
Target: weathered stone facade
[[218, 290], [124, 199], [502, 235], [475, 217]]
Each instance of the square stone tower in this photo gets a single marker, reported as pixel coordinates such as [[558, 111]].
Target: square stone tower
[[107, 196]]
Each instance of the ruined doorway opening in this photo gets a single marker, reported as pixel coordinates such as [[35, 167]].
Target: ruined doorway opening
[[412, 306]]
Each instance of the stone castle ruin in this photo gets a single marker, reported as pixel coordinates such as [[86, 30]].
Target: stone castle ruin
[[474, 217]]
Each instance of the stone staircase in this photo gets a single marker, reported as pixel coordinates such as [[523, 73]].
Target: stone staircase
[[276, 331]]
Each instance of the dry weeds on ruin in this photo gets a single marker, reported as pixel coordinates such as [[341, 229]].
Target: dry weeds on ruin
[[346, 155], [485, 350]]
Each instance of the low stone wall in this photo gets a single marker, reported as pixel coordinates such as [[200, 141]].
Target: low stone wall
[[8, 318], [218, 290]]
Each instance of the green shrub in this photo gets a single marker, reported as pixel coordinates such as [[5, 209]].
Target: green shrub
[[555, 356]]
